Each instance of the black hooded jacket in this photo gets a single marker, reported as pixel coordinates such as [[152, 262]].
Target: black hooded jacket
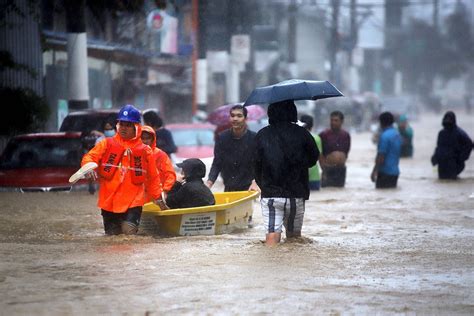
[[453, 148], [193, 192], [284, 152]]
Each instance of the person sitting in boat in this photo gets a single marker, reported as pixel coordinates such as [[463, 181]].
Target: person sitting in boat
[[189, 189]]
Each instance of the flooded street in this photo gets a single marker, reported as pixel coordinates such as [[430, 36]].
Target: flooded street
[[408, 250]]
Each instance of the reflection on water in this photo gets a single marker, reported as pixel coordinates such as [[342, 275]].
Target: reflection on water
[[405, 250]]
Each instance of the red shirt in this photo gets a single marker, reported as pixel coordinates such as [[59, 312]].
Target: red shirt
[[335, 141]]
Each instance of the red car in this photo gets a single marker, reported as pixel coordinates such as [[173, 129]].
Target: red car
[[41, 162], [194, 140]]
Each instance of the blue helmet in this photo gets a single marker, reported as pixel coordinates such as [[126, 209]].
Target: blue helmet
[[129, 113]]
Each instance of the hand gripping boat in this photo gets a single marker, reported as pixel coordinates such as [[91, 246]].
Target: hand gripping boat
[[231, 212]]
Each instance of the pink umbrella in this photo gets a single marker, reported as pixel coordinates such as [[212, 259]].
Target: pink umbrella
[[221, 115]]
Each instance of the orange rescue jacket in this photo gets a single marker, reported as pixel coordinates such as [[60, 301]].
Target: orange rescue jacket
[[110, 161], [163, 163], [124, 188]]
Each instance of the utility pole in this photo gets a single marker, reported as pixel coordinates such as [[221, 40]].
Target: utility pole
[[77, 72], [353, 29], [393, 22], [334, 45], [199, 56], [436, 15], [292, 39], [195, 53]]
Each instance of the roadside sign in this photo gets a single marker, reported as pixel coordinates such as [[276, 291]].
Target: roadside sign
[[240, 48]]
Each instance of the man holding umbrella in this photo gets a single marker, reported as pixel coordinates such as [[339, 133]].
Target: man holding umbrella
[[284, 153]]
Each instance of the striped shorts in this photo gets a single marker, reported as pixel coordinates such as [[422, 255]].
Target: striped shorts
[[277, 212]]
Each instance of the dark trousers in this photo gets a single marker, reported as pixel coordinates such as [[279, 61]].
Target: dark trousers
[[450, 169], [314, 185], [333, 177], [113, 221], [385, 181]]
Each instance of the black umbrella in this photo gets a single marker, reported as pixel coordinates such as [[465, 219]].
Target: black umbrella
[[294, 89]]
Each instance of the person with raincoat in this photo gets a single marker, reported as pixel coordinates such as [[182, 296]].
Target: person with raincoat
[[126, 167], [189, 190], [163, 162], [453, 148], [284, 153]]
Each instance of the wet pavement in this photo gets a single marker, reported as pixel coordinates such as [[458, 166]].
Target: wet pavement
[[403, 251]]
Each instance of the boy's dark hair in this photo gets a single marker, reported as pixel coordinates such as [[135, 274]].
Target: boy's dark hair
[[152, 119], [307, 120], [386, 119], [338, 114], [239, 107]]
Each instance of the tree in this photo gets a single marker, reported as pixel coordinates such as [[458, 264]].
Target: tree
[[27, 112], [7, 61], [425, 54], [458, 44], [418, 56]]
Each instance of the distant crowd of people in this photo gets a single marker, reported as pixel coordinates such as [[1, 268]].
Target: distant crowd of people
[[284, 161]]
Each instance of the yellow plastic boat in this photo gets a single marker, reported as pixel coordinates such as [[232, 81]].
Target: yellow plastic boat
[[231, 212]]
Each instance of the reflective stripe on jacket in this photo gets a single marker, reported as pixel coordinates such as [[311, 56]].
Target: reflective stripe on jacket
[[110, 161]]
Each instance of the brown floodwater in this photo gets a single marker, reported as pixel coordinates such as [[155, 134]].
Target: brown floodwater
[[408, 250]]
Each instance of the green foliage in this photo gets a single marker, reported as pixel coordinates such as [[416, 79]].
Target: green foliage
[[7, 61], [459, 43], [8, 7], [24, 111], [419, 56], [425, 53]]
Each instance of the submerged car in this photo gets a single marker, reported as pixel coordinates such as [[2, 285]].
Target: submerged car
[[193, 140], [41, 162]]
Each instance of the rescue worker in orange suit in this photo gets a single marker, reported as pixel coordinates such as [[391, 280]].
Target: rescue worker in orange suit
[[126, 167], [163, 162]]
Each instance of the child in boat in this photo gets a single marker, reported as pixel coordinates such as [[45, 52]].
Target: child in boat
[[163, 162], [189, 190]]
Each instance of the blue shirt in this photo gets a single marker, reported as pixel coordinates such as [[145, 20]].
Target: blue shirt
[[389, 146]]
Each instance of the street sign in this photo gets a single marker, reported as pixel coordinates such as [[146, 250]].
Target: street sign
[[240, 48], [155, 20]]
